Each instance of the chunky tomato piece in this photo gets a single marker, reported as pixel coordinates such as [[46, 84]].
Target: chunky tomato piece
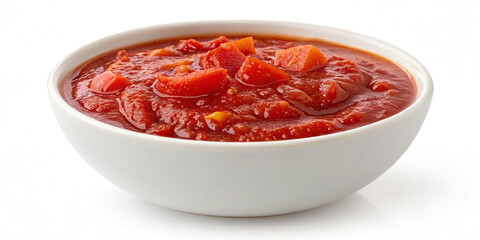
[[108, 82], [189, 46], [300, 59], [226, 56], [215, 43], [199, 83], [259, 73], [245, 45]]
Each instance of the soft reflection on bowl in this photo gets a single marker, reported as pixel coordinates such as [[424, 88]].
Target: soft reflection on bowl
[[241, 179]]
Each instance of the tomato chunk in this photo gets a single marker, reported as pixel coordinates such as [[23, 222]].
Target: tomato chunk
[[215, 43], [199, 83], [300, 59], [108, 82], [189, 46], [245, 45], [258, 73], [226, 56]]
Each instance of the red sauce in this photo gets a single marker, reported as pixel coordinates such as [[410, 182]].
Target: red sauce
[[271, 88]]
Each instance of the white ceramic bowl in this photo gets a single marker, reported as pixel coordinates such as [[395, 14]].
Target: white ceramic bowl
[[241, 179]]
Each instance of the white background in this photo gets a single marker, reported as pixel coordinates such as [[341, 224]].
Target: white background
[[48, 192]]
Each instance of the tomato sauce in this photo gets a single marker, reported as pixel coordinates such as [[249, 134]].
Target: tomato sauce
[[239, 88]]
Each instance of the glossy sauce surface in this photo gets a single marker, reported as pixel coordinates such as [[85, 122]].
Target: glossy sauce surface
[[352, 89]]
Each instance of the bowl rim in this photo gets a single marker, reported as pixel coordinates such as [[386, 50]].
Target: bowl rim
[[422, 98]]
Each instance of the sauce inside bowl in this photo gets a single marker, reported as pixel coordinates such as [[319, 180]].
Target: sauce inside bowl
[[239, 88]]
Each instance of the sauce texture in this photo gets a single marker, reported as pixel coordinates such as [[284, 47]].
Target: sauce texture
[[239, 88]]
